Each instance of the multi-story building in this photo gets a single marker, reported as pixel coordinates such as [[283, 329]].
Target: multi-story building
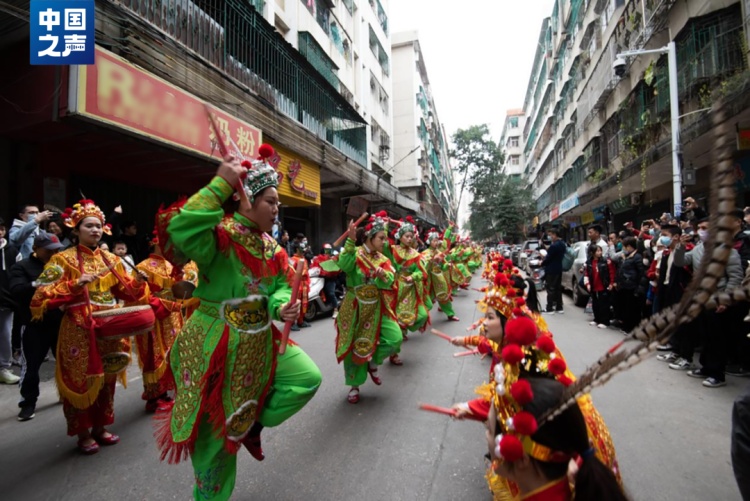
[[511, 143], [420, 164], [597, 146], [311, 77]]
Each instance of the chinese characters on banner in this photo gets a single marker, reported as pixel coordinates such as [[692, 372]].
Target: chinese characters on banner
[[116, 92], [62, 32]]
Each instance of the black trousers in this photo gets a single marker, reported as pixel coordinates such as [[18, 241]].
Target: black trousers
[[600, 302], [37, 339], [628, 308], [553, 282], [721, 330], [741, 443]]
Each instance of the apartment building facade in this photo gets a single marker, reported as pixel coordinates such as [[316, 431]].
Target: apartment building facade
[[511, 143], [597, 146], [421, 166]]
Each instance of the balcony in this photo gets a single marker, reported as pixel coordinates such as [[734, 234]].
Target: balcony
[[315, 54], [233, 36]]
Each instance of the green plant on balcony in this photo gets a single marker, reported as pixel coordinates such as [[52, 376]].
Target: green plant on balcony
[[598, 175]]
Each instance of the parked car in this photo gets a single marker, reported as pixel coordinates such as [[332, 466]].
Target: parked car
[[572, 278]]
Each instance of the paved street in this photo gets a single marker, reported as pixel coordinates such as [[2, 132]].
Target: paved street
[[672, 435]]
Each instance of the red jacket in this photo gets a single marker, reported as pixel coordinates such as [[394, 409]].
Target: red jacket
[[320, 258]]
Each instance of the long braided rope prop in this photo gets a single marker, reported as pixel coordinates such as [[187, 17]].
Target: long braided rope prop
[[700, 294]]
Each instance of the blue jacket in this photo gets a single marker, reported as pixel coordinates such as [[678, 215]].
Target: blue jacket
[[553, 262], [21, 236]]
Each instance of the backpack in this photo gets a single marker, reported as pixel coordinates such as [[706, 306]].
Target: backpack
[[569, 258]]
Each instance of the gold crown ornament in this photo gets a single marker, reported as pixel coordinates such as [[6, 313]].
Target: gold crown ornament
[[72, 216], [261, 173]]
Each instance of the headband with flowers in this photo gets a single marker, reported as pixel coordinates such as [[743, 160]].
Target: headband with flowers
[[377, 222], [85, 208], [432, 235], [408, 226]]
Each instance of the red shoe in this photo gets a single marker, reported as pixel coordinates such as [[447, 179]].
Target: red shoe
[[112, 439], [454, 318], [405, 337], [88, 450], [374, 377], [252, 444], [395, 360], [353, 396]]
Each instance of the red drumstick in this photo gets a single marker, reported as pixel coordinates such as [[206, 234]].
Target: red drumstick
[[295, 294], [442, 335], [223, 149], [439, 410], [356, 223], [466, 353]]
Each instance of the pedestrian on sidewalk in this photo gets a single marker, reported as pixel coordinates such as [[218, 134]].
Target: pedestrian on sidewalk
[[553, 272], [599, 278], [8, 257], [299, 249], [630, 285], [38, 337], [231, 379]]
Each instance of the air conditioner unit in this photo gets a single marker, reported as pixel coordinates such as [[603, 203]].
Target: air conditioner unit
[[635, 199]]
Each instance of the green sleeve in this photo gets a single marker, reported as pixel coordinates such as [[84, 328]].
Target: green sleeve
[[348, 257], [416, 275], [281, 295], [388, 252], [192, 230], [448, 235], [387, 281]]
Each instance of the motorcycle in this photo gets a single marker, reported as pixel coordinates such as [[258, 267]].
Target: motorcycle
[[534, 268], [316, 305]]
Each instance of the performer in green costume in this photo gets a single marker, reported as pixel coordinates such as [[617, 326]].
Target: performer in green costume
[[367, 332], [409, 287], [438, 284], [230, 379]]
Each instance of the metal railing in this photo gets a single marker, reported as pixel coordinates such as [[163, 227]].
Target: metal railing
[[233, 36]]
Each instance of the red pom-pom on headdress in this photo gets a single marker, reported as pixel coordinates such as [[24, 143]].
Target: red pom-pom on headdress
[[557, 366], [564, 380], [546, 344], [511, 448], [512, 354], [521, 392], [266, 151], [525, 423], [508, 263], [521, 329], [520, 301], [382, 213]]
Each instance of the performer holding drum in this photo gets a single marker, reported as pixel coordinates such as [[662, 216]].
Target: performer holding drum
[[87, 282]]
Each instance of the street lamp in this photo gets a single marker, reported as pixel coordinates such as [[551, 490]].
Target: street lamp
[[674, 110]]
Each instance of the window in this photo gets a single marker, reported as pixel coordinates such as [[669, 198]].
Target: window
[[513, 122], [515, 160], [513, 142]]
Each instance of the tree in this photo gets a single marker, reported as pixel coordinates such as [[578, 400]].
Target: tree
[[475, 151], [501, 205]]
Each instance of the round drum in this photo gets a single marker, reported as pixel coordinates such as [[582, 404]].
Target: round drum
[[123, 322], [183, 289]]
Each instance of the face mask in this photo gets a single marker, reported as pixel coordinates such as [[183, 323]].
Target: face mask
[[618, 247], [652, 232], [665, 241], [703, 234]]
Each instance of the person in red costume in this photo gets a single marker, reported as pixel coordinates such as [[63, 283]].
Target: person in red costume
[[330, 277]]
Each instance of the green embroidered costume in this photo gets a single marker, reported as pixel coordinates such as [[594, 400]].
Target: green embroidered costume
[[225, 362], [366, 329]]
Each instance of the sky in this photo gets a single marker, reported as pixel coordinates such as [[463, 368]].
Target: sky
[[478, 55]]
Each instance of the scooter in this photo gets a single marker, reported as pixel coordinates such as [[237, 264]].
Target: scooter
[[534, 268], [315, 304]]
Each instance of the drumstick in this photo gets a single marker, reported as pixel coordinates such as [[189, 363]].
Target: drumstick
[[224, 150], [466, 353], [356, 223], [442, 335], [439, 410], [295, 293]]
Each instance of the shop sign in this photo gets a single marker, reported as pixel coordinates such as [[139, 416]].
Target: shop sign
[[571, 220], [569, 203], [299, 180], [599, 213], [587, 217], [118, 93], [544, 217], [554, 213], [620, 205]]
